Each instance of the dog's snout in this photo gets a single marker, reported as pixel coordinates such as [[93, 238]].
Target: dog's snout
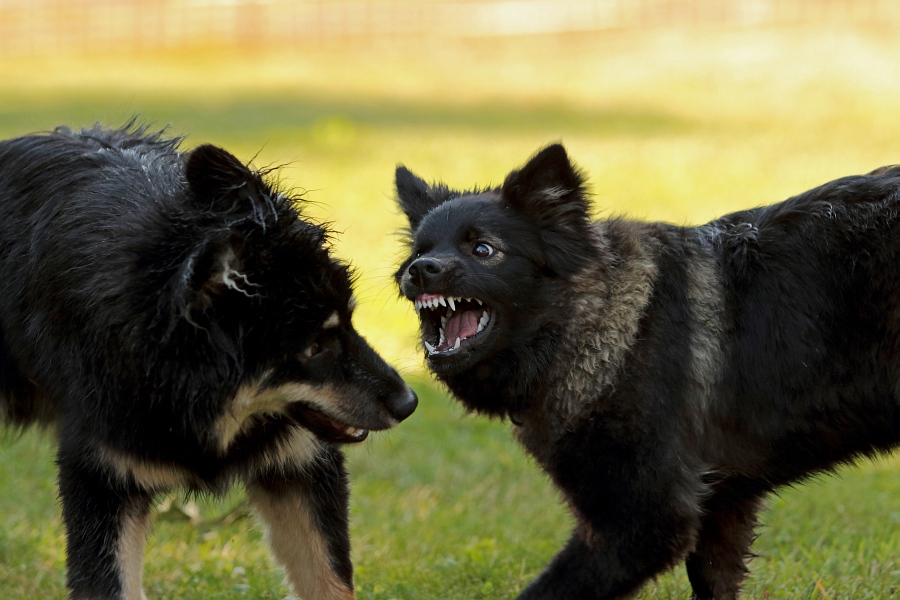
[[403, 404], [425, 270]]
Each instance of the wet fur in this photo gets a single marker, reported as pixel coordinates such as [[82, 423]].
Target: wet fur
[[179, 324], [669, 378]]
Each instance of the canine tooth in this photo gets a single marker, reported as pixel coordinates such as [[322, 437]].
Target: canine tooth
[[429, 347], [443, 301], [485, 317], [456, 345], [441, 341], [452, 303], [480, 327], [478, 301]]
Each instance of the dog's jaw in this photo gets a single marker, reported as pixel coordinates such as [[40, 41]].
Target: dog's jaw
[[457, 331]]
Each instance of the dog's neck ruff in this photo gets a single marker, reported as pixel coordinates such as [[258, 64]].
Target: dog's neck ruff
[[606, 304]]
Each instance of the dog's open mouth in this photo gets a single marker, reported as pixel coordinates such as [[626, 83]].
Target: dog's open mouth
[[328, 428], [452, 322]]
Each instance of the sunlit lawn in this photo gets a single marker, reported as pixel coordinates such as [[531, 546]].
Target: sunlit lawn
[[674, 125]]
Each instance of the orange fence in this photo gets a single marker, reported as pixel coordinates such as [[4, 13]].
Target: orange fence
[[53, 26]]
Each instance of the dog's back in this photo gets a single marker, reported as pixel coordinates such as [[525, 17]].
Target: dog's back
[[62, 205]]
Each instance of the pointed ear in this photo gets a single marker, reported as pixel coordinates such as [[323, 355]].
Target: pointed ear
[[415, 197], [213, 172], [550, 191], [222, 183]]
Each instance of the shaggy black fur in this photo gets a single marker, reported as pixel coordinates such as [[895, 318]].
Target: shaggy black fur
[[666, 378], [181, 325]]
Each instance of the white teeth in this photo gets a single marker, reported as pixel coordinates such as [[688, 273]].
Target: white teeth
[[353, 431], [456, 345], [441, 341], [478, 301], [483, 321], [429, 347], [443, 301], [452, 303]]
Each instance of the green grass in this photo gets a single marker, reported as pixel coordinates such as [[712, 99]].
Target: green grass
[[447, 506], [673, 125]]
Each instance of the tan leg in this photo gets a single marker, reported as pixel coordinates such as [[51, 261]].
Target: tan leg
[[306, 514]]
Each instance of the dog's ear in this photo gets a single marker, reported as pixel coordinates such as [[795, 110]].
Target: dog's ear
[[550, 191], [416, 198], [223, 184], [223, 188]]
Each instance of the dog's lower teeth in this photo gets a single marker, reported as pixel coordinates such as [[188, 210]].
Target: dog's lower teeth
[[429, 347], [456, 345]]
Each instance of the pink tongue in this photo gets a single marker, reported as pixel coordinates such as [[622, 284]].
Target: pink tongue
[[461, 326]]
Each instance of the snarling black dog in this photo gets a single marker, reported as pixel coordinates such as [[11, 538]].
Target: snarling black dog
[[181, 325], [667, 378]]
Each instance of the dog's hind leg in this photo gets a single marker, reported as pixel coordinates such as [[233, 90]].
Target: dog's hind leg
[[306, 511], [107, 523], [716, 566]]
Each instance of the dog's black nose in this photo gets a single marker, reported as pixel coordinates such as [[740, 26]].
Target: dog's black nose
[[403, 404], [424, 270]]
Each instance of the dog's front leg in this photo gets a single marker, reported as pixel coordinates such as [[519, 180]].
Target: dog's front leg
[[107, 522], [636, 516], [581, 572], [306, 511]]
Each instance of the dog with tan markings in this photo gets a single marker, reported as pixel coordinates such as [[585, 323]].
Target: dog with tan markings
[[180, 324]]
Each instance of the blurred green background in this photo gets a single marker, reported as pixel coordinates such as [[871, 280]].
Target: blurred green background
[[678, 110]]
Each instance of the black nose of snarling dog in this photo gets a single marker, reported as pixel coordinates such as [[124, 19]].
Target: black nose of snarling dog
[[424, 271], [403, 404]]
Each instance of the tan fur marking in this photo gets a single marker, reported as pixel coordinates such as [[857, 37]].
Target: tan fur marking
[[300, 547], [299, 449], [332, 321], [606, 312], [250, 401], [706, 295], [130, 555], [148, 475]]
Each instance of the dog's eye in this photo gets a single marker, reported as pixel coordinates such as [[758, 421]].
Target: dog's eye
[[482, 250], [312, 350]]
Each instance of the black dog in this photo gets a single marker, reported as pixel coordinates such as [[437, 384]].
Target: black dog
[[667, 378], [182, 325]]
